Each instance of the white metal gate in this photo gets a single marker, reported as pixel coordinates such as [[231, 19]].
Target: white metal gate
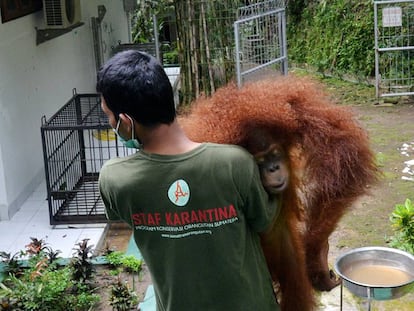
[[260, 35], [394, 47]]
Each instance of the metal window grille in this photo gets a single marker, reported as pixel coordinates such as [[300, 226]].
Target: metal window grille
[[77, 140], [394, 47], [260, 35]]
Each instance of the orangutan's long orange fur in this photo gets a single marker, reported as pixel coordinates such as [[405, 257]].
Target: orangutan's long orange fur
[[331, 166]]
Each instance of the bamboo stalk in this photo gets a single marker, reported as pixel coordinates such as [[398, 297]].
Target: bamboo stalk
[[206, 44], [193, 52], [207, 48]]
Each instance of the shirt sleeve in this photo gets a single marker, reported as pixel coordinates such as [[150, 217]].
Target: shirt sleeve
[[110, 210], [260, 208]]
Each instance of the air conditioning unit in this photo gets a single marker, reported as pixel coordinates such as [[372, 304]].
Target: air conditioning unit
[[60, 14]]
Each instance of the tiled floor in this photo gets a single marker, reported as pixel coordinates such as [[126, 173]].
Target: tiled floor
[[32, 220]]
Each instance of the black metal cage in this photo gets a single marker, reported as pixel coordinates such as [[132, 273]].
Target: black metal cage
[[77, 140]]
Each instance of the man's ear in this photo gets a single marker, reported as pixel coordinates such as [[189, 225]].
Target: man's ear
[[125, 126], [124, 119]]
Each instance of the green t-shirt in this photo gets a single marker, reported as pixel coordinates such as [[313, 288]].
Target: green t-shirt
[[195, 218]]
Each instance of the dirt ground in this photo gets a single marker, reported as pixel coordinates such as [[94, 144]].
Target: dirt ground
[[391, 130], [390, 124]]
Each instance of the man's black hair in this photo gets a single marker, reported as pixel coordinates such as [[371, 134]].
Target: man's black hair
[[135, 83]]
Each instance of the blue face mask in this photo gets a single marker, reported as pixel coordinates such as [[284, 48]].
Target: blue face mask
[[131, 143]]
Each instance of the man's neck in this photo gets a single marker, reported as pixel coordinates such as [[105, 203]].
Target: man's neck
[[167, 139]]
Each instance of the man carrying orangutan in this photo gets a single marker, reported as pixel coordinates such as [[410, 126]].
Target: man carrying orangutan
[[196, 209], [308, 147]]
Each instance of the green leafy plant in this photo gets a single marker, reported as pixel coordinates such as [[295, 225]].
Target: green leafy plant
[[122, 298], [132, 264], [39, 288], [333, 37], [129, 262], [11, 262], [81, 264], [51, 254], [402, 219], [114, 258], [42, 284], [143, 28], [7, 304], [170, 53]]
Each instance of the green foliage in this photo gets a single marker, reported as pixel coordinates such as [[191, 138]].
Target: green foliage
[[169, 54], [129, 262], [295, 10], [114, 258], [122, 298], [333, 36], [402, 220], [143, 28], [12, 264], [132, 264], [51, 254], [42, 287], [380, 159], [41, 284]]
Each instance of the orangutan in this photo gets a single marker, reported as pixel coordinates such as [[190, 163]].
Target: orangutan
[[327, 163]]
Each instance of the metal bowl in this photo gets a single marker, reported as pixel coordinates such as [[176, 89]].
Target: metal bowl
[[377, 259]]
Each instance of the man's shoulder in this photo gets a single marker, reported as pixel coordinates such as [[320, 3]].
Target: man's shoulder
[[112, 162], [116, 162], [227, 148], [229, 152]]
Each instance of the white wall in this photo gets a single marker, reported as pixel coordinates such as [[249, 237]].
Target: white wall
[[36, 80]]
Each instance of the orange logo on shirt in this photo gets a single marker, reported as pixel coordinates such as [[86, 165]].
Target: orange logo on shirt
[[179, 192]]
